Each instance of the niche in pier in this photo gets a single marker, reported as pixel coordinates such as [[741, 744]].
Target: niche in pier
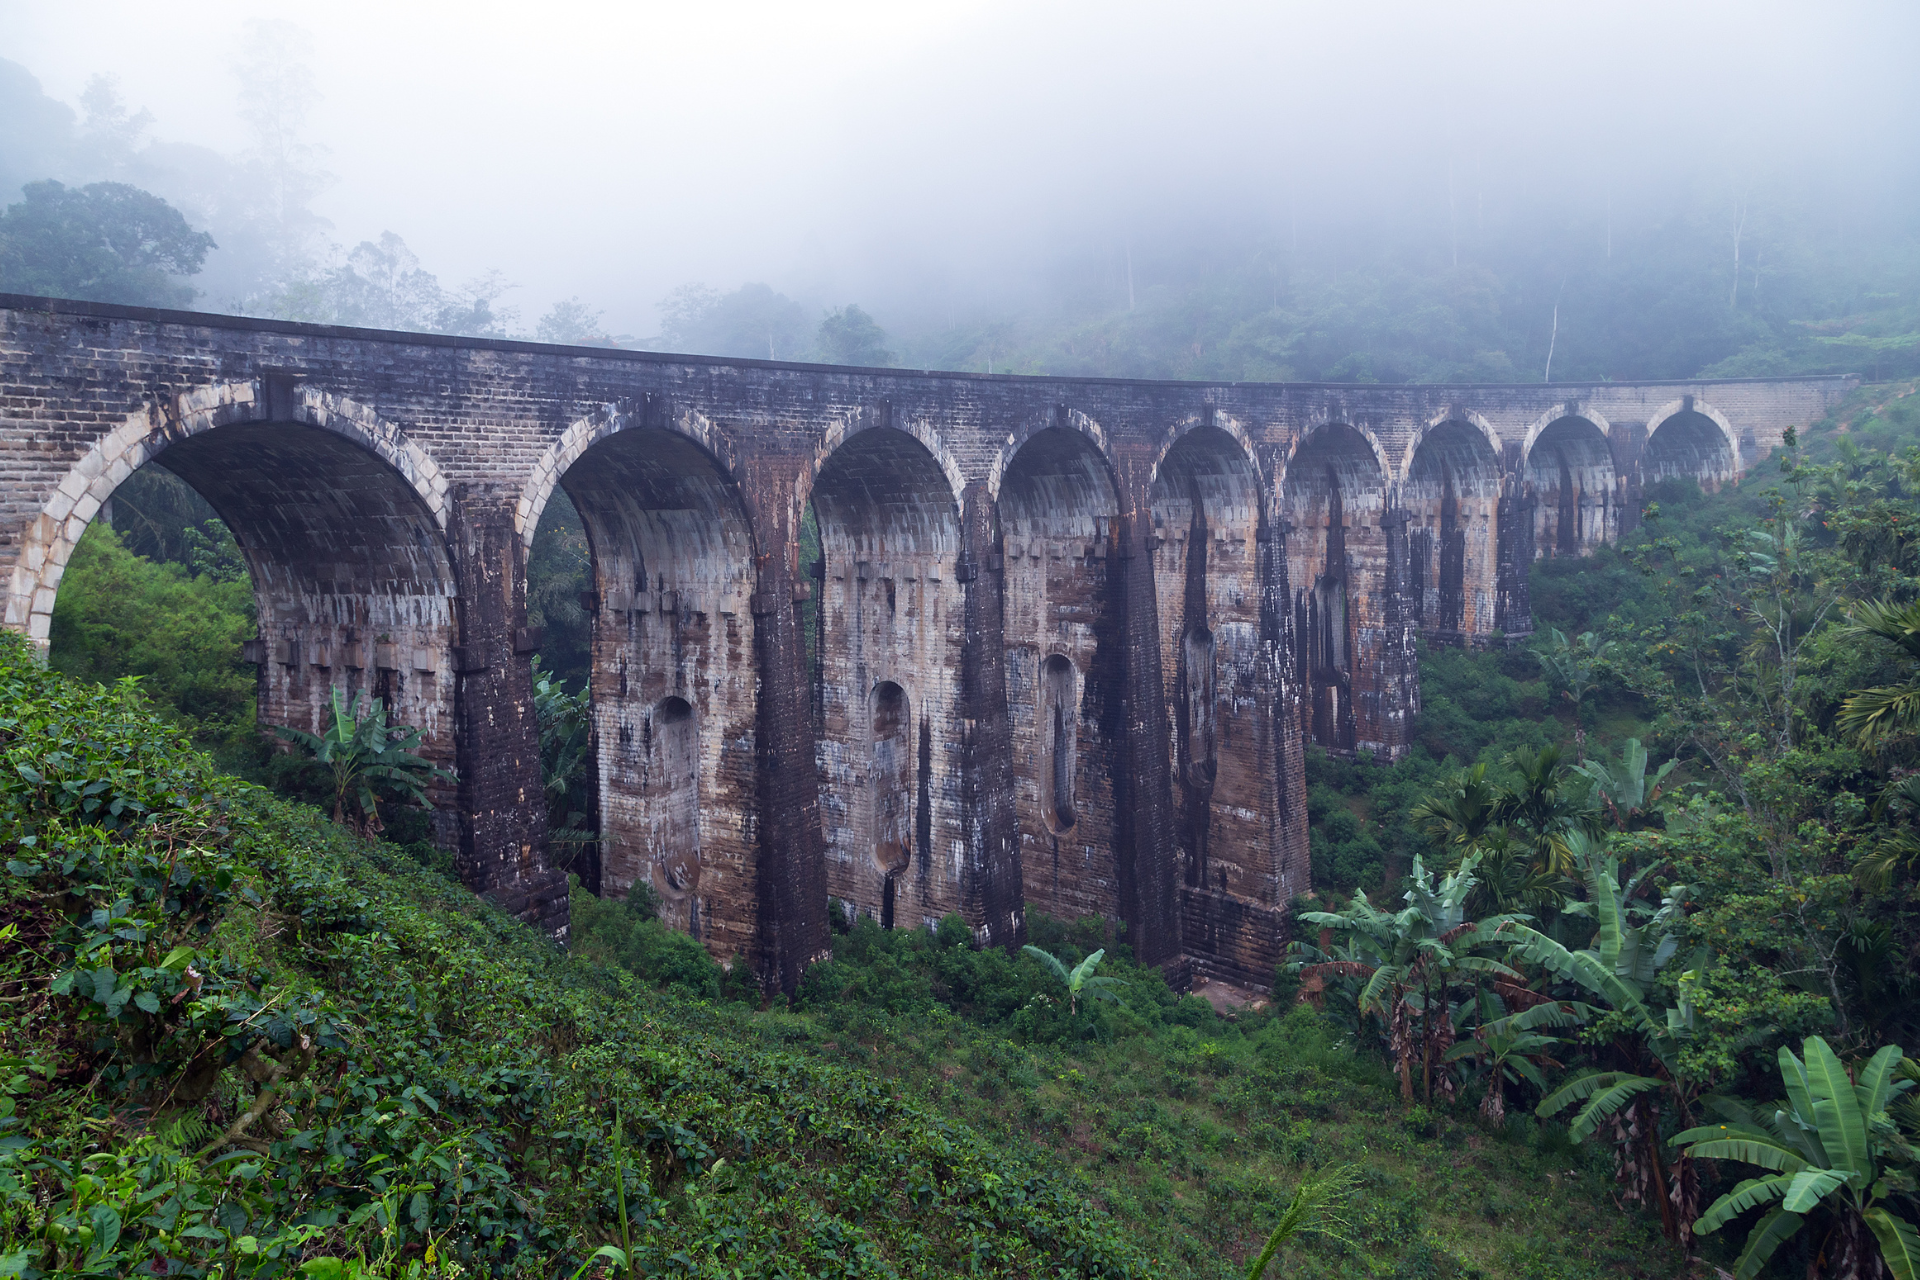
[[1059, 719], [1330, 638], [675, 751], [891, 774], [1199, 727]]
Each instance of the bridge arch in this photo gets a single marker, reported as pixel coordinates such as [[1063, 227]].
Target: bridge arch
[[1333, 501], [585, 432], [1071, 420], [1569, 470], [1058, 513], [1207, 500], [1450, 491], [341, 520], [890, 611], [1689, 437], [146, 434], [672, 678]]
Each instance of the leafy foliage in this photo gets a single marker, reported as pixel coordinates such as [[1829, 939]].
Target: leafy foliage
[[107, 242], [365, 755]]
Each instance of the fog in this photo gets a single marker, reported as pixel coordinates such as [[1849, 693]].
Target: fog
[[938, 161]]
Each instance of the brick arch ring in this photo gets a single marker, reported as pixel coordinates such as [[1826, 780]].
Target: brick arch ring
[[609, 419], [1474, 420], [1223, 421], [1570, 409], [841, 430], [147, 433], [1675, 407], [1379, 451], [1018, 437]]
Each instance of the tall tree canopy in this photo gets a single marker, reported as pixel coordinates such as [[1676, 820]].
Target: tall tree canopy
[[105, 242]]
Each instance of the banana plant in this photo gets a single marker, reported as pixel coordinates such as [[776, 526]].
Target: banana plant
[[1513, 1048], [1081, 979], [1826, 1145], [1408, 961], [1630, 947], [362, 751], [1626, 791]]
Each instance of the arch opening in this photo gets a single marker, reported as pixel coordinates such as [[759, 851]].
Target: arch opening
[[1206, 521], [888, 622], [1575, 488], [670, 680], [1057, 516], [1689, 445], [1452, 501], [1335, 502], [352, 583]]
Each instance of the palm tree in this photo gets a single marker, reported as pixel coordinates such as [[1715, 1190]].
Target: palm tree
[[1824, 1147], [1513, 1050], [1630, 946], [1543, 806], [1459, 814], [1408, 961], [1878, 717]]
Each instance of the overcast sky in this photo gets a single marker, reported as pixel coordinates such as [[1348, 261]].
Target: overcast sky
[[869, 150]]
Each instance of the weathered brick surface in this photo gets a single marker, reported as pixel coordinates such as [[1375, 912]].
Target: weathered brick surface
[[1074, 633]]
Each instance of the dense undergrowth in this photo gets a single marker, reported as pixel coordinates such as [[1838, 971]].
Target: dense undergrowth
[[236, 1036]]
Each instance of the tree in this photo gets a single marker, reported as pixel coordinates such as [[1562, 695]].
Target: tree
[[1825, 1148], [1511, 1049], [1575, 665], [1409, 961], [1081, 979], [107, 242], [849, 335], [575, 324], [1619, 969], [363, 754], [1882, 716], [565, 735], [753, 322]]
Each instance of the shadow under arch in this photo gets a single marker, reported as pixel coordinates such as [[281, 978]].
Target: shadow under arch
[[1451, 495], [672, 679], [1206, 500], [353, 581], [1333, 499], [1570, 472], [1061, 619], [890, 611], [1690, 438]]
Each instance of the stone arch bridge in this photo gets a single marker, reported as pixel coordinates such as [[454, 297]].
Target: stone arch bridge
[[1062, 648]]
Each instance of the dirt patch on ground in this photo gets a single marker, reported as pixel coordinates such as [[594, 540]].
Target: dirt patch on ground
[[1228, 999]]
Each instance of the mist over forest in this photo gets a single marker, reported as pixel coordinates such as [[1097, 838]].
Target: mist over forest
[[1364, 196]]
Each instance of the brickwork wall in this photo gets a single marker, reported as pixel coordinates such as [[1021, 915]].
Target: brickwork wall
[[386, 487]]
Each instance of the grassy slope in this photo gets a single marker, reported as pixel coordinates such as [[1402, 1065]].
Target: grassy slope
[[466, 1089]]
